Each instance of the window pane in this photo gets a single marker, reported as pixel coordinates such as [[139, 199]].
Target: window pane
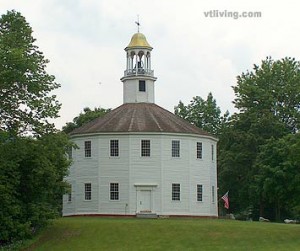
[[213, 194], [70, 194], [199, 192], [145, 148], [175, 191], [87, 191], [114, 148], [142, 85], [199, 150], [175, 148], [114, 191], [212, 152], [87, 149]]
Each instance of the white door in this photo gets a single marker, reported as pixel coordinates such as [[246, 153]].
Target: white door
[[144, 201]]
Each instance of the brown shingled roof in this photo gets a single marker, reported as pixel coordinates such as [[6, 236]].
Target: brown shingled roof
[[139, 117]]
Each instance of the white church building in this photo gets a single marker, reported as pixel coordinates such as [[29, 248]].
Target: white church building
[[140, 158]]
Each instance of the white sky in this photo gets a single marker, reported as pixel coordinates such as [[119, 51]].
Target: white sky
[[192, 56]]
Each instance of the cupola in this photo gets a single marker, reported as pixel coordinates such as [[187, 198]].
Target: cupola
[[138, 80]]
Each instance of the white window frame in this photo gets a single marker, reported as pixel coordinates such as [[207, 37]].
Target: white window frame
[[175, 149], [87, 191], [114, 191], [114, 148], [175, 191], [87, 149], [199, 192], [145, 148], [199, 150]]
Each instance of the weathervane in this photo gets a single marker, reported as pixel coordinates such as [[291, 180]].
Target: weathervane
[[138, 23]]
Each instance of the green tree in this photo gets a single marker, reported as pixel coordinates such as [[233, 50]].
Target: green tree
[[31, 168], [278, 174], [31, 188], [268, 100], [25, 100], [272, 92], [84, 117], [203, 113]]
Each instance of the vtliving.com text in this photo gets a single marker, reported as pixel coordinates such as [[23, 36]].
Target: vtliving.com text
[[232, 14]]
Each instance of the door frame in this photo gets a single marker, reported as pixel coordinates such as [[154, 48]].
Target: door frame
[[145, 187]]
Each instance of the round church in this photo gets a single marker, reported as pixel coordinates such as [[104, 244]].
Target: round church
[[140, 159]]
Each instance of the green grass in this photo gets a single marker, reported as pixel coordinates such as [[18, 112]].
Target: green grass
[[93, 233]]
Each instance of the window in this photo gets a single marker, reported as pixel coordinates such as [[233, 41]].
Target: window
[[175, 148], [199, 150], [87, 149], [114, 148], [114, 191], [213, 194], [212, 152], [69, 152], [175, 191], [87, 191], [199, 192], [142, 85], [70, 194], [145, 148]]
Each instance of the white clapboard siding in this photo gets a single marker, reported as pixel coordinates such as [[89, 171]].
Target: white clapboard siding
[[136, 174]]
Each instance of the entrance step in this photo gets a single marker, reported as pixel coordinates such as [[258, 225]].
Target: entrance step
[[146, 215]]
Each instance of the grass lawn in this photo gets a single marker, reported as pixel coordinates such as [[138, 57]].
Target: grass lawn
[[96, 233]]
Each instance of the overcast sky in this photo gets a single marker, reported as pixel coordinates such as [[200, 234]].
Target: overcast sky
[[194, 52]]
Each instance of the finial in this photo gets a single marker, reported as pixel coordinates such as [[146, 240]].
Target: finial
[[138, 23]]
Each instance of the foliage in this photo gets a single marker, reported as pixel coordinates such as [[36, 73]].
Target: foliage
[[268, 99], [25, 100], [31, 168], [278, 173], [271, 91], [85, 117], [96, 233], [203, 113], [31, 174]]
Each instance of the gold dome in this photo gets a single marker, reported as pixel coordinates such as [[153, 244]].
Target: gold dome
[[138, 40]]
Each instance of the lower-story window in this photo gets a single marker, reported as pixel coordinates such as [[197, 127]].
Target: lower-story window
[[175, 191], [213, 194], [199, 192], [87, 191], [114, 191]]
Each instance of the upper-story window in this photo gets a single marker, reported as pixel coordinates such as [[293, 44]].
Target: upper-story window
[[145, 148], [142, 85], [199, 150], [175, 148], [212, 152], [114, 148], [87, 148]]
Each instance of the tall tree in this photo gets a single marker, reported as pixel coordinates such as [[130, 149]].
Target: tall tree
[[26, 102], [203, 113], [272, 92], [268, 99], [86, 116], [31, 168]]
